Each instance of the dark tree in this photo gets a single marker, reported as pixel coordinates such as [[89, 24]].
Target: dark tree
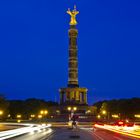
[[3, 106], [126, 108]]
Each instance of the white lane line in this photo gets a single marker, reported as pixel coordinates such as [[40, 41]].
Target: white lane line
[[117, 138]]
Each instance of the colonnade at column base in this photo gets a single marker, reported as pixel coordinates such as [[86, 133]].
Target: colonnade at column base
[[73, 96]]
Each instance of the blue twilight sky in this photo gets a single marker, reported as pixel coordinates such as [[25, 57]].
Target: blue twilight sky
[[34, 48]]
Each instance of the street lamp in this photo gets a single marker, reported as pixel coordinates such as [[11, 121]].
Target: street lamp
[[104, 112], [43, 112], [72, 110], [58, 111], [137, 115], [39, 116], [32, 116], [18, 116], [69, 108], [115, 116], [18, 121], [98, 116], [1, 112]]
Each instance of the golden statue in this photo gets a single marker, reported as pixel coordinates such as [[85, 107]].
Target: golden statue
[[73, 14]]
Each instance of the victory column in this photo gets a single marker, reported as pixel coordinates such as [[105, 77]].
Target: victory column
[[73, 94]]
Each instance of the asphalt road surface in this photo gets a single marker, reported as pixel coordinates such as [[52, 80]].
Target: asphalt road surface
[[64, 133]]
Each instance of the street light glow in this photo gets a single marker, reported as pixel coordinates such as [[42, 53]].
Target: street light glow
[[72, 108], [57, 111], [18, 116], [1, 112], [137, 116], [104, 112], [115, 116], [18, 121], [69, 108], [75, 108], [32, 116], [39, 116], [43, 112]]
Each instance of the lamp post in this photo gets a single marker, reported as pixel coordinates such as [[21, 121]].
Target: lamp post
[[18, 118], [104, 112], [1, 114], [72, 110], [32, 116], [42, 114], [98, 116], [39, 116]]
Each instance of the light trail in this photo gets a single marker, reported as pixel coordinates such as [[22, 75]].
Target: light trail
[[122, 130], [28, 128]]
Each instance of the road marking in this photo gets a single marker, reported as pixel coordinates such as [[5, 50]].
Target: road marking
[[117, 138]]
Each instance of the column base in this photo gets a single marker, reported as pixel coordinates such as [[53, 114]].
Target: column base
[[73, 96]]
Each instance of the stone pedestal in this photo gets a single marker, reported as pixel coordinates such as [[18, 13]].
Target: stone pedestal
[[73, 96]]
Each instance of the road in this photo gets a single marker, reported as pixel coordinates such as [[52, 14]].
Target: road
[[102, 134], [82, 133]]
